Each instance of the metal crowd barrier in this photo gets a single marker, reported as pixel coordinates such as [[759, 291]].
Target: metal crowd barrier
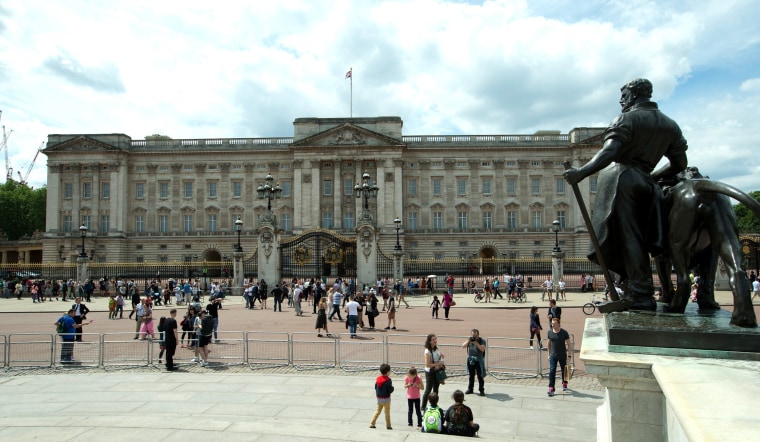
[[506, 358], [307, 351], [361, 354], [267, 349], [86, 353], [30, 350], [510, 358], [121, 350]]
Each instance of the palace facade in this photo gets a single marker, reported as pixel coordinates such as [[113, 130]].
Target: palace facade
[[162, 199]]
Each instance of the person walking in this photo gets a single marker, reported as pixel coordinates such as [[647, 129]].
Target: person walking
[[336, 298], [476, 353], [559, 352], [433, 362], [352, 310], [212, 309], [297, 295], [391, 312], [321, 318], [277, 293], [171, 337], [448, 301], [535, 327], [371, 309], [80, 314], [554, 311]]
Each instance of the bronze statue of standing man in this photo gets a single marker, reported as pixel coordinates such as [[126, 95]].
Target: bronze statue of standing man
[[628, 218]]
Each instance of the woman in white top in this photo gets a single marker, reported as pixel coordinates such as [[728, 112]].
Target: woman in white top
[[433, 362]]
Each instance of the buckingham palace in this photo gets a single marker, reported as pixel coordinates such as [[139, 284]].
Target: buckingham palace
[[166, 199]]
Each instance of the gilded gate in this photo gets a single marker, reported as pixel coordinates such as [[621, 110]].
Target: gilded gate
[[318, 253]]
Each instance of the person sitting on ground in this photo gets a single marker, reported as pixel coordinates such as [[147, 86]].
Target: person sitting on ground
[[433, 419], [459, 417]]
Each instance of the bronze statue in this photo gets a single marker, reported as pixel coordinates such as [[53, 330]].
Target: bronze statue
[[628, 215], [701, 227]]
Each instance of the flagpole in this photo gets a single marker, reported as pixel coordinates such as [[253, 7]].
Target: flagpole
[[351, 115]]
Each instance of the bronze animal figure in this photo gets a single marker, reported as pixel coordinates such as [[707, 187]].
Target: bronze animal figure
[[701, 227]]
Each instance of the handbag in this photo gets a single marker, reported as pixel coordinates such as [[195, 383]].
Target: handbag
[[440, 375], [568, 373], [452, 303]]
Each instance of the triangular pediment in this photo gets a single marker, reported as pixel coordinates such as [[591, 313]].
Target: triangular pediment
[[81, 143], [347, 135]]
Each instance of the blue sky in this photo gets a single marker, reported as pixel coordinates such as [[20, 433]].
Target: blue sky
[[193, 69]]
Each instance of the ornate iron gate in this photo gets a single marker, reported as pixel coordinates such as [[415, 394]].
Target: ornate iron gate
[[251, 265], [384, 265], [318, 253]]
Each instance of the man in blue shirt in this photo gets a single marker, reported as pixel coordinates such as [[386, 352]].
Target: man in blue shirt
[[68, 336]]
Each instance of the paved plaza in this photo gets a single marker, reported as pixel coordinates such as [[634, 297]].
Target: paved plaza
[[226, 402]]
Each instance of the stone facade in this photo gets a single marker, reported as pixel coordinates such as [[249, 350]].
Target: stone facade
[[163, 199]]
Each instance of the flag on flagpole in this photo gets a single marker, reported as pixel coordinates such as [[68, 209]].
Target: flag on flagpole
[[348, 74]]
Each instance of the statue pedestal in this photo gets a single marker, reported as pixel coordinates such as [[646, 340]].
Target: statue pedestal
[[669, 397]]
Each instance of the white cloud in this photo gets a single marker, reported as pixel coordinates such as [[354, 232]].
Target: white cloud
[[238, 69]]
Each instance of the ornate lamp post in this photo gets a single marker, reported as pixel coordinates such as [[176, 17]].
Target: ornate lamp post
[[366, 190], [83, 234], [268, 191], [397, 222], [238, 229], [557, 255], [555, 227]]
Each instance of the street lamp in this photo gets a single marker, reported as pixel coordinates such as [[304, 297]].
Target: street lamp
[[397, 222], [238, 229], [83, 234], [366, 190], [555, 227], [268, 191]]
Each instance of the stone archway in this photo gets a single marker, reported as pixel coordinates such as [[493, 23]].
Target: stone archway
[[488, 256]]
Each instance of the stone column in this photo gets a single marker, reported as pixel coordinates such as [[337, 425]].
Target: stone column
[[398, 265], [83, 268], [238, 273], [366, 251], [269, 253], [558, 258]]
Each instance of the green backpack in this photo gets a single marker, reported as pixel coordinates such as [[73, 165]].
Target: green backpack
[[61, 329], [432, 420]]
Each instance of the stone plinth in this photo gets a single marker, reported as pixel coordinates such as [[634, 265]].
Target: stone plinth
[[649, 398]]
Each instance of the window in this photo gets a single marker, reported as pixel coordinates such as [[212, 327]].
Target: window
[[438, 256], [212, 222], [537, 255], [163, 223], [560, 185], [139, 223], [486, 187], [86, 190], [104, 223], [67, 223], [487, 220], [327, 220], [562, 218], [535, 185], [511, 186], [535, 163], [163, 190], [140, 190], [286, 221], [512, 219], [536, 215], [437, 220], [411, 187], [188, 223], [348, 186], [286, 189], [437, 186], [105, 190], [461, 163], [237, 189], [462, 220], [438, 244], [327, 188], [537, 243], [212, 189], [461, 186], [511, 163], [411, 221], [348, 220], [592, 184], [86, 221], [188, 189], [68, 190]]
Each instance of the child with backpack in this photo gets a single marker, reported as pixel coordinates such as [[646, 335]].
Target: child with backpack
[[383, 390], [413, 384], [112, 307], [434, 417]]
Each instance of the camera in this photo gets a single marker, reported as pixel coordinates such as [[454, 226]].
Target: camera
[[472, 338]]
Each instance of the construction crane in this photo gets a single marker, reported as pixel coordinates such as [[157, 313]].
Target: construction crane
[[4, 146], [22, 179]]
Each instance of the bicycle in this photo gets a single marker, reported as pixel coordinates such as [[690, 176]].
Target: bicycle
[[479, 296], [590, 307]]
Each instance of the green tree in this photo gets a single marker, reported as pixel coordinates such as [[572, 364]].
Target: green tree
[[747, 220], [23, 210]]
